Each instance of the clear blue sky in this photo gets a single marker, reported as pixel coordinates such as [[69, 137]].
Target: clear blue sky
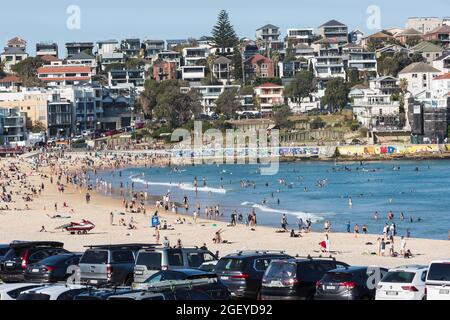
[[45, 20]]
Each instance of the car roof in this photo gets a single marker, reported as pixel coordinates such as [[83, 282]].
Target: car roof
[[255, 254], [27, 244], [11, 286], [188, 272], [54, 289], [412, 267]]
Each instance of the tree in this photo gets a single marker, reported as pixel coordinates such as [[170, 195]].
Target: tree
[[27, 71], [223, 34], [38, 127], [393, 65], [274, 80], [237, 63], [280, 116], [417, 57], [336, 94], [301, 87], [177, 107], [228, 103]]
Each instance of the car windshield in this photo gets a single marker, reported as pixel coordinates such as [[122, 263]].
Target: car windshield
[[337, 277], [95, 257], [439, 272], [281, 270], [398, 277], [227, 264], [55, 260]]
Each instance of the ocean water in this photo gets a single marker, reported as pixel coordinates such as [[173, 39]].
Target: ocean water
[[418, 189]]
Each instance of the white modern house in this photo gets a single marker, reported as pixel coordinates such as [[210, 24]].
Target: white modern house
[[300, 35], [329, 62], [209, 95], [192, 55], [193, 74], [356, 58], [373, 109], [419, 76]]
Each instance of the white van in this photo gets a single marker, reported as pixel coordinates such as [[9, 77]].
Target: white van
[[438, 280]]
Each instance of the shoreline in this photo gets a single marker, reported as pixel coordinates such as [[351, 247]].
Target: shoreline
[[24, 225]]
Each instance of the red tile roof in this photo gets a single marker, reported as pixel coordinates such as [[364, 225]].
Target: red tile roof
[[445, 76], [49, 58], [257, 57], [64, 69], [13, 79]]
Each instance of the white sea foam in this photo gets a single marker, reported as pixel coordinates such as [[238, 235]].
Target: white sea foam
[[298, 214], [182, 186]]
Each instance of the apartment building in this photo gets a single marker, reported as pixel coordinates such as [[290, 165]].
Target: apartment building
[[83, 59], [334, 29], [442, 63], [194, 54], [47, 49], [329, 63], [107, 46], [223, 70], [258, 66], [300, 35], [355, 57], [441, 34], [268, 96], [387, 85], [426, 24], [134, 78], [12, 127], [193, 74], [153, 47], [78, 47], [375, 110], [164, 70], [11, 56], [10, 84], [64, 75], [131, 47], [209, 95], [419, 76], [268, 33], [428, 50]]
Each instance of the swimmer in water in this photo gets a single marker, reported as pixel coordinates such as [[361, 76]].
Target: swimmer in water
[[350, 202]]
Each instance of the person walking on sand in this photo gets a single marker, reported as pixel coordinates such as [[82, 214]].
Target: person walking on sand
[[111, 218], [356, 230], [364, 229], [382, 246], [157, 235], [403, 246], [348, 227], [327, 243], [166, 242], [379, 246]]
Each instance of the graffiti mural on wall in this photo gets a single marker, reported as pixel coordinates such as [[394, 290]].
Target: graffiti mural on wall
[[387, 149]]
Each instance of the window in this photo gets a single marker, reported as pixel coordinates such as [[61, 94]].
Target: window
[[95, 257], [175, 258], [152, 260], [262, 264], [399, 277], [38, 256], [414, 75], [123, 256], [230, 265]]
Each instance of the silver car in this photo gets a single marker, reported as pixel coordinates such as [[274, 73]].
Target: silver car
[[150, 261]]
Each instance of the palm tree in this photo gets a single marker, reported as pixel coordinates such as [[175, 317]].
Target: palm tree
[[403, 85]]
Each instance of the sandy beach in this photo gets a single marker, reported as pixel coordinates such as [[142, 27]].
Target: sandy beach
[[22, 223]]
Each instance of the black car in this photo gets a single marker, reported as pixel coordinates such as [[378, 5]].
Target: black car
[[21, 254], [351, 283], [103, 293], [242, 272], [295, 279], [4, 248], [52, 269], [214, 288]]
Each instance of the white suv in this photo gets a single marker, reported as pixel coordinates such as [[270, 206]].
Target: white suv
[[403, 283], [438, 280]]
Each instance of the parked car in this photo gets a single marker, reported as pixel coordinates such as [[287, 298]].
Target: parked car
[[104, 293], [243, 271], [4, 248], [53, 292], [295, 279], [403, 283], [52, 269], [21, 254], [208, 265], [352, 283], [109, 264], [438, 280], [205, 281], [151, 260], [11, 291], [168, 294]]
